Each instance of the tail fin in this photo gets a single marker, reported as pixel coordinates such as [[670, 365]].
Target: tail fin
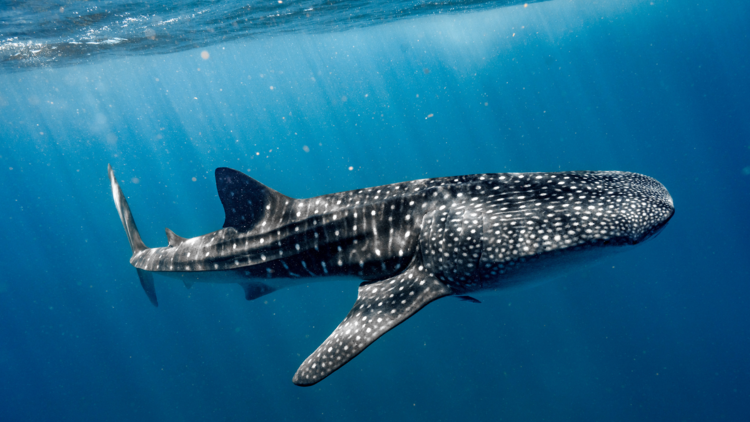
[[136, 244], [147, 282]]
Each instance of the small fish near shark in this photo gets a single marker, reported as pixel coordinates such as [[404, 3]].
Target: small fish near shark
[[411, 243]]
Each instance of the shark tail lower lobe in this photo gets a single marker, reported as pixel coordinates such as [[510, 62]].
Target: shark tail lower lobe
[[134, 238]]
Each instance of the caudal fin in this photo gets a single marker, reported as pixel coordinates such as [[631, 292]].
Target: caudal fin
[[136, 244]]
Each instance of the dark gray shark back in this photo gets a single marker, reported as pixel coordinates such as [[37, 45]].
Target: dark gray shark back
[[369, 233]]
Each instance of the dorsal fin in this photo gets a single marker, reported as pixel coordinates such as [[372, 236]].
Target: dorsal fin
[[174, 240], [247, 201]]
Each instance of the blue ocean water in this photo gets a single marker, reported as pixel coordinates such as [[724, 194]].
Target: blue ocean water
[[367, 94]]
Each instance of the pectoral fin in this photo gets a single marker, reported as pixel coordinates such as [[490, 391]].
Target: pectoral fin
[[468, 299], [380, 306]]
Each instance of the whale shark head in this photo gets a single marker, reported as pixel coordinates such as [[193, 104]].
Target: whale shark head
[[641, 204], [539, 226], [609, 208], [650, 209]]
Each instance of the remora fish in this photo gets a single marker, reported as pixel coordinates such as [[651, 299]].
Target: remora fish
[[412, 242]]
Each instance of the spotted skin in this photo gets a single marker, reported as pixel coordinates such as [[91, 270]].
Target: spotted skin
[[411, 242], [380, 306]]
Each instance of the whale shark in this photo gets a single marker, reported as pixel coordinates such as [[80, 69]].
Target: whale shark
[[409, 243]]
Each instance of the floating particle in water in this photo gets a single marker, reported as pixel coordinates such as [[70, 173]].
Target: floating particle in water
[[194, 179], [426, 70], [205, 55], [135, 180], [351, 168], [428, 116], [305, 148]]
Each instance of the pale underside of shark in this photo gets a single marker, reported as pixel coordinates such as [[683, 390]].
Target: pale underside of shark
[[411, 242]]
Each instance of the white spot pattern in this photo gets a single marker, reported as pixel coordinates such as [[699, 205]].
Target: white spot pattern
[[476, 232], [380, 306]]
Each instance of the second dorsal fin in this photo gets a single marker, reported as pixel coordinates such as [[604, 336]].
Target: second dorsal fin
[[247, 201], [174, 240]]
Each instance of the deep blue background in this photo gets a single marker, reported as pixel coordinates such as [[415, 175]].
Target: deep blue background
[[658, 333]]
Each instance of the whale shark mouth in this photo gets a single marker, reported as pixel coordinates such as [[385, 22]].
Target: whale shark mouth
[[655, 231]]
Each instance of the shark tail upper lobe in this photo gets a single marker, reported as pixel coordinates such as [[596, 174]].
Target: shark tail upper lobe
[[134, 238]]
